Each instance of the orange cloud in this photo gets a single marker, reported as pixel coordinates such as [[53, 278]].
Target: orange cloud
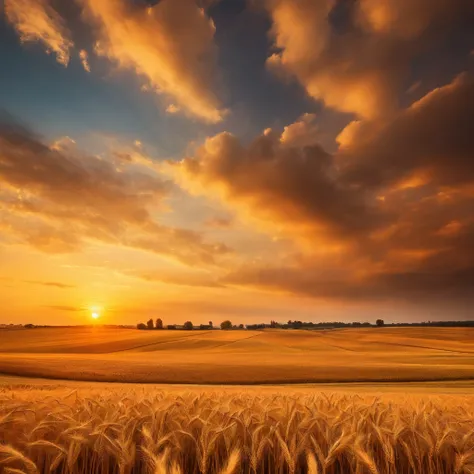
[[432, 140], [57, 199], [361, 70], [410, 18], [173, 109], [36, 20], [84, 57], [169, 44], [196, 279], [54, 284], [356, 245], [291, 189], [219, 222], [331, 68], [301, 133]]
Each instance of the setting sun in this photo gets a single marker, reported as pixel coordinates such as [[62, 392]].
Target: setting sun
[[95, 315]]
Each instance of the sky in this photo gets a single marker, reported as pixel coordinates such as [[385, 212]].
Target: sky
[[247, 160]]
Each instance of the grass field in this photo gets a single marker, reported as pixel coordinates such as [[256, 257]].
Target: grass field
[[240, 357]]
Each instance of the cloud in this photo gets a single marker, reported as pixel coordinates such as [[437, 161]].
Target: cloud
[[64, 308], [169, 44], [410, 18], [301, 133], [84, 57], [433, 135], [284, 186], [415, 286], [36, 20], [173, 109], [57, 199], [388, 215], [359, 61], [54, 284], [414, 87], [219, 222], [196, 279]]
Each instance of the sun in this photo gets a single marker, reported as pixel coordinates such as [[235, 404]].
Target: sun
[[95, 315]]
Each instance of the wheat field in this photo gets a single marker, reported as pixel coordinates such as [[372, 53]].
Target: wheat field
[[137, 429], [240, 357], [378, 415]]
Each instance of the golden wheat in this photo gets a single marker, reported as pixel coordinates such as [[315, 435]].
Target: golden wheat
[[153, 431]]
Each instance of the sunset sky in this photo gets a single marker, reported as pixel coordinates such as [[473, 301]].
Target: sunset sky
[[244, 160]]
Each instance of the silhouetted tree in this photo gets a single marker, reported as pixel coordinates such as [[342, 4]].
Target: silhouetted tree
[[159, 324], [188, 326], [141, 326], [241, 326], [210, 324], [149, 324], [226, 324], [171, 326], [380, 323]]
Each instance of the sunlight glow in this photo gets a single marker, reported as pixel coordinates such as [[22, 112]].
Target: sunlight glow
[[95, 315]]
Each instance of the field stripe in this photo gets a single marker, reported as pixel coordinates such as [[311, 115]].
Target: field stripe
[[236, 340], [453, 351], [157, 343]]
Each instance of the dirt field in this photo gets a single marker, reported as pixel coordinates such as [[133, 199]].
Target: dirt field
[[240, 357]]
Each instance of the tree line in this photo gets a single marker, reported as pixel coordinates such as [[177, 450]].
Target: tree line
[[187, 326]]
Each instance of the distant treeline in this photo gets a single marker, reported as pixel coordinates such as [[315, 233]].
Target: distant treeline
[[188, 325]]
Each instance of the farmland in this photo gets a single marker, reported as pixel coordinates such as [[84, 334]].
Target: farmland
[[102, 428], [240, 357], [362, 401]]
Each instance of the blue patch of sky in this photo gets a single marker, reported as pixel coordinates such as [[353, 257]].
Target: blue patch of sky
[[56, 101], [258, 99]]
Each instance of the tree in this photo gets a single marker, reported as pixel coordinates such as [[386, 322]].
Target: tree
[[379, 323], [141, 326], [159, 324], [149, 324], [241, 326], [188, 326], [226, 324], [210, 324]]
